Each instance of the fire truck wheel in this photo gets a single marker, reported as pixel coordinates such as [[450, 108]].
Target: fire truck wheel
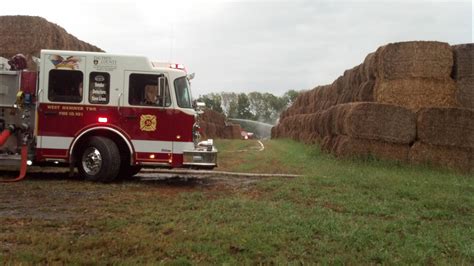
[[100, 160]]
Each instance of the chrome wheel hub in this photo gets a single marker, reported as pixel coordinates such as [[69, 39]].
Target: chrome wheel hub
[[91, 161]]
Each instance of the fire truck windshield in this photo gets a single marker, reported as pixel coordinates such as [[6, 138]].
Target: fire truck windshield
[[183, 95]]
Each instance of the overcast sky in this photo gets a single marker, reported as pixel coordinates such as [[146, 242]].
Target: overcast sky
[[243, 46]]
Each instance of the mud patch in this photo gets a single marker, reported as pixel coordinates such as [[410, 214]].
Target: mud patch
[[50, 194]]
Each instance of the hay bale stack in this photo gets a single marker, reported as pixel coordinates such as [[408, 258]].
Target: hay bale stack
[[212, 124], [415, 75], [211, 116], [233, 131], [442, 156], [463, 73], [209, 130], [401, 94], [446, 127], [29, 34]]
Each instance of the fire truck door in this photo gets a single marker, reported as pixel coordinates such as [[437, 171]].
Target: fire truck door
[[60, 105], [146, 116]]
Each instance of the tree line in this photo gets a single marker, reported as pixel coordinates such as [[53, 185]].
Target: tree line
[[263, 107]]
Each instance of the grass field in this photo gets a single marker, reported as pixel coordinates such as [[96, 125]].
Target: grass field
[[350, 211]]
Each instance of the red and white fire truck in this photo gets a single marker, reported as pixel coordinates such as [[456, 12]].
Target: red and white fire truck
[[108, 115]]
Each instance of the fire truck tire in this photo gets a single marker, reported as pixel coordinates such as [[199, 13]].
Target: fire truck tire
[[127, 171], [99, 160]]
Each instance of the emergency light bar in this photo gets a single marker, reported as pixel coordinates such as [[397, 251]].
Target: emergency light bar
[[178, 66], [170, 65]]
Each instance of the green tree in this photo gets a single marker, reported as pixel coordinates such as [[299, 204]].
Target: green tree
[[229, 103], [213, 101], [264, 107], [290, 96], [243, 107]]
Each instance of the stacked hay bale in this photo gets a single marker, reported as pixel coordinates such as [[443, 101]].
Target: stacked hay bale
[[232, 131], [383, 106], [354, 129], [29, 34], [415, 75], [463, 73], [445, 137], [212, 124]]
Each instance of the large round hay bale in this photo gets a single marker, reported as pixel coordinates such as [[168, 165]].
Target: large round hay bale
[[463, 61], [444, 156], [465, 92], [377, 121], [416, 59], [353, 147], [416, 93], [446, 127]]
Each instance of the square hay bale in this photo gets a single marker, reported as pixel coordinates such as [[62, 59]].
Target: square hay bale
[[377, 121], [232, 131], [463, 61], [328, 144], [365, 92], [465, 92], [370, 66], [443, 156], [367, 120], [446, 127], [415, 59], [344, 146], [416, 93]]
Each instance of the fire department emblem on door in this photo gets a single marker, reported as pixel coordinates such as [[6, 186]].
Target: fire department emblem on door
[[147, 123]]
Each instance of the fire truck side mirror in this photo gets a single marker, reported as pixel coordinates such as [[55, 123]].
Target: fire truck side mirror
[[191, 76]]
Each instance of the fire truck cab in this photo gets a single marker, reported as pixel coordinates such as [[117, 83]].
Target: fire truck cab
[[108, 115]]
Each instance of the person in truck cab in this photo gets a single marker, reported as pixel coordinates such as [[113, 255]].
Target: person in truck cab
[[151, 95]]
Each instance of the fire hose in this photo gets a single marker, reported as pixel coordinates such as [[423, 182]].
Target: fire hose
[[6, 134], [24, 155]]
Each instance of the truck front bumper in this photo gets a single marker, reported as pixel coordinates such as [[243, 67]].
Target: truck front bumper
[[204, 155]]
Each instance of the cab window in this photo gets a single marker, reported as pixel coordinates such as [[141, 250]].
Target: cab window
[[183, 95], [149, 90], [65, 86], [99, 87]]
